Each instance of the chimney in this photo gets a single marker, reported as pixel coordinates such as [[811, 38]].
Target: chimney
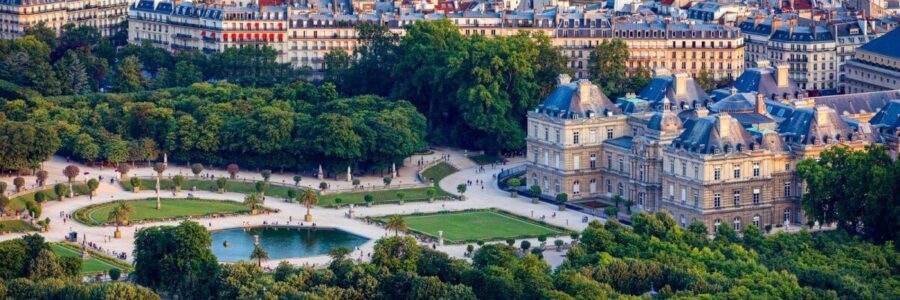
[[681, 83], [584, 90], [762, 63], [702, 112], [781, 75], [563, 79], [760, 104], [724, 124], [821, 113]]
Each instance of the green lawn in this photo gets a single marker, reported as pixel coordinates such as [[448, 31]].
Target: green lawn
[[486, 159], [18, 203], [439, 171], [210, 185], [383, 196], [16, 226], [485, 225], [171, 208], [92, 265]]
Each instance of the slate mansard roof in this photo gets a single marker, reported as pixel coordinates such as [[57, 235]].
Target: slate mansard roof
[[887, 45], [576, 100]]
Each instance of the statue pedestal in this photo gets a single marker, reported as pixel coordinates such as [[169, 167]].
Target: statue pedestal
[[441, 237]]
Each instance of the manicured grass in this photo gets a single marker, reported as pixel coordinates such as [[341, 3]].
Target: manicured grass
[[383, 196], [484, 225], [171, 208], [439, 171], [94, 265], [486, 159], [18, 203], [210, 185], [16, 226]]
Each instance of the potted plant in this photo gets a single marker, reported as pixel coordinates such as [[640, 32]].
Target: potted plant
[[92, 185], [561, 199], [400, 196], [535, 192], [135, 184], [338, 201], [253, 200], [178, 181], [513, 184], [430, 193], [461, 189], [220, 183], [369, 199]]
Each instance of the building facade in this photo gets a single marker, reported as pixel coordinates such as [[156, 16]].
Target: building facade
[[875, 66], [726, 161], [17, 15], [303, 34]]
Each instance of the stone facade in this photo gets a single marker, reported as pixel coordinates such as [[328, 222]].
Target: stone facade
[[17, 15]]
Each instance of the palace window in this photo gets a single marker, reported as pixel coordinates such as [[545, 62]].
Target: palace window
[[576, 137], [593, 186], [755, 196], [717, 173], [576, 187], [787, 189], [717, 200], [621, 189], [737, 172], [593, 161], [609, 186], [737, 223], [755, 169], [756, 221], [696, 197], [576, 159], [683, 168], [787, 215], [558, 137], [609, 133], [737, 197]]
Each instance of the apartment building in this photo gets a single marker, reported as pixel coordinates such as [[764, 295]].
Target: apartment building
[[17, 15], [875, 66], [303, 33], [814, 50]]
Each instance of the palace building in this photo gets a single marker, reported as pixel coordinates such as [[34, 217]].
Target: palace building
[[727, 160]]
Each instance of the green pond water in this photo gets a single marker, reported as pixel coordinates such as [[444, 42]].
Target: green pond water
[[280, 242]]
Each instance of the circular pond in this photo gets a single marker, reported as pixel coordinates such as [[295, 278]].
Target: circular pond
[[280, 242]]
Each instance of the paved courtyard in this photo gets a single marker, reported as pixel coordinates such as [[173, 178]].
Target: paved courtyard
[[477, 196]]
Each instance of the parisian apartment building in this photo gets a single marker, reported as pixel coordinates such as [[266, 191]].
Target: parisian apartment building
[[17, 15]]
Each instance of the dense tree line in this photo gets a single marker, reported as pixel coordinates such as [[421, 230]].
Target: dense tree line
[[474, 91], [609, 261], [857, 190], [30, 270], [80, 61], [286, 127]]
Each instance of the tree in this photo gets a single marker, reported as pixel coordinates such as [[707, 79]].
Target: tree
[[135, 184], [387, 180], [33, 208], [72, 74], [396, 223], [309, 198], [61, 190], [611, 211], [400, 196], [606, 65], [159, 168], [114, 274], [3, 187], [355, 183], [297, 179], [40, 197], [176, 260], [323, 185], [266, 174], [628, 204], [197, 168], [559, 243], [129, 77], [28, 144], [368, 198], [260, 187], [430, 193], [259, 255], [233, 170], [44, 266], [292, 195], [337, 64], [253, 200], [705, 80], [19, 182], [185, 74], [43, 33], [92, 185], [41, 177], [123, 170], [461, 189], [120, 214], [525, 245], [338, 201], [71, 171]]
